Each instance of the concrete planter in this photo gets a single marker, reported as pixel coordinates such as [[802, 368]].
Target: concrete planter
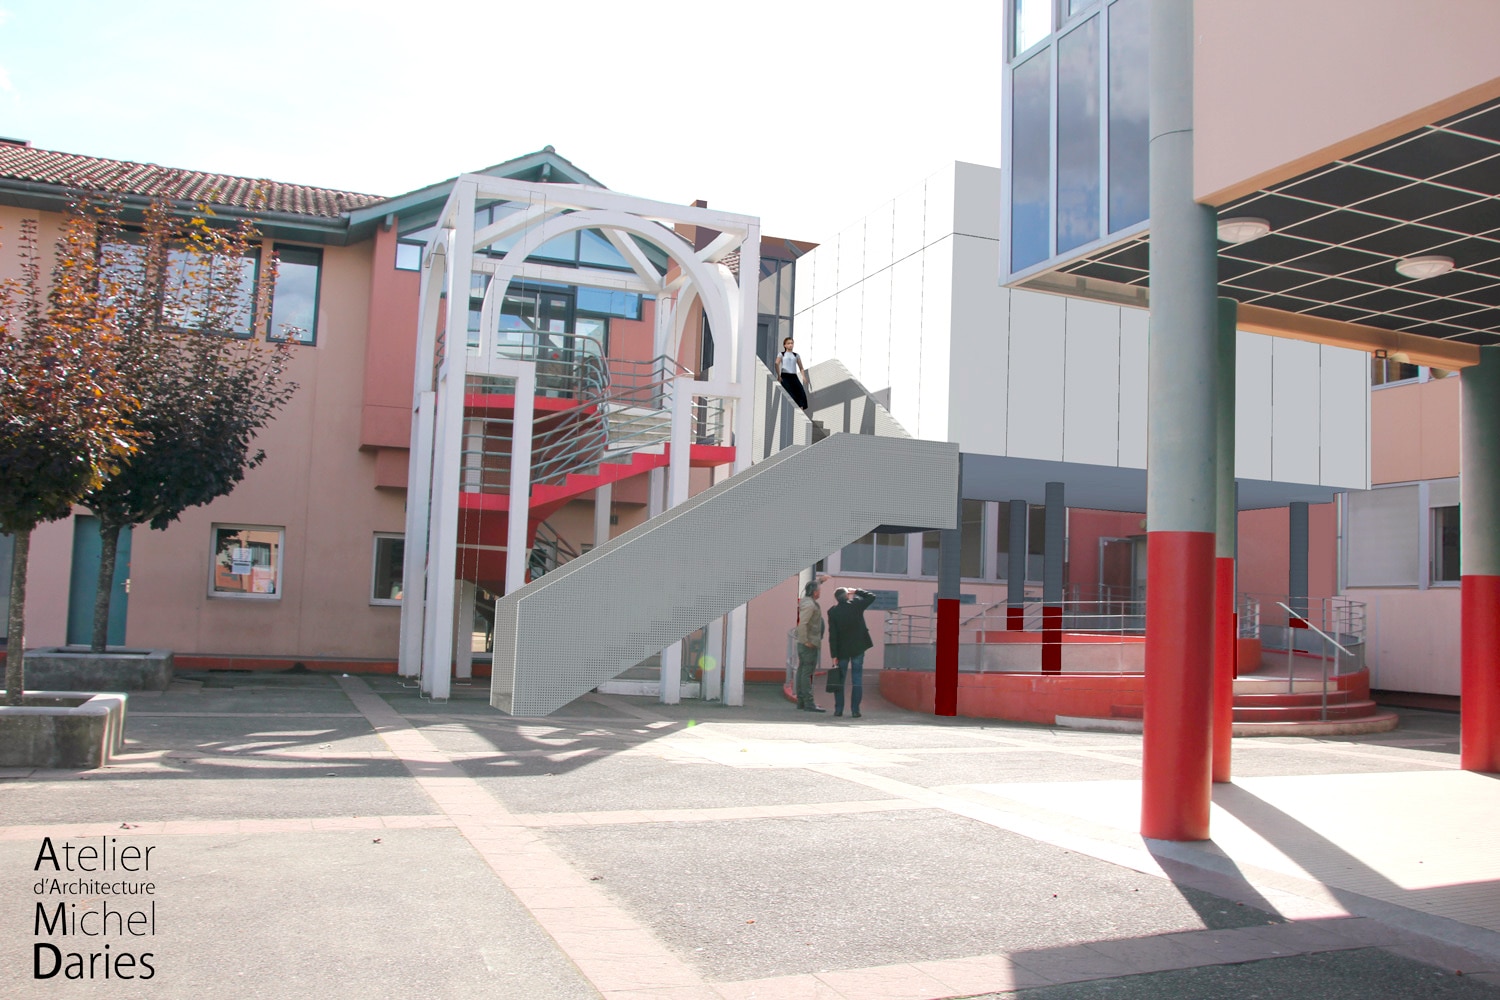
[[62, 729], [74, 668]]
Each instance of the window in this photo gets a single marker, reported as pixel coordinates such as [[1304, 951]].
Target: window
[[875, 553], [409, 256], [1445, 567], [294, 305], [1002, 543], [1030, 162], [216, 294], [1383, 537], [246, 561], [1129, 127], [1033, 22], [1384, 371], [1078, 136], [390, 552], [971, 552]]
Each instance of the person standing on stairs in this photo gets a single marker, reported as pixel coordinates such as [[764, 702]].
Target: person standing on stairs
[[809, 640], [793, 374], [848, 638]]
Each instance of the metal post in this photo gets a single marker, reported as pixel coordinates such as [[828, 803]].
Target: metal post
[[1015, 574], [463, 631], [950, 547], [677, 487], [1180, 486], [603, 509], [1479, 554], [1053, 544], [1225, 536]]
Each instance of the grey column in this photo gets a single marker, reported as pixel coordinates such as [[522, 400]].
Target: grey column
[[1296, 576], [950, 547], [1227, 499], [1479, 467], [1015, 574], [1053, 545]]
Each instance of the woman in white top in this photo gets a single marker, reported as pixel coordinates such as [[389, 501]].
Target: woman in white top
[[793, 373]]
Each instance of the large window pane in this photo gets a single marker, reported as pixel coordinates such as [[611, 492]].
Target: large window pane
[[202, 293], [1002, 543], [1030, 161], [390, 553], [931, 545], [1078, 136], [1129, 133], [890, 554], [1445, 545], [1033, 23], [246, 561], [858, 556], [1383, 526], [971, 552], [294, 307]]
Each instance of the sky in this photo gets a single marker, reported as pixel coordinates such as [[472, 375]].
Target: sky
[[808, 114]]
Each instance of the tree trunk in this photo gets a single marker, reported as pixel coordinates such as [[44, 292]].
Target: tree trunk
[[109, 545], [15, 643]]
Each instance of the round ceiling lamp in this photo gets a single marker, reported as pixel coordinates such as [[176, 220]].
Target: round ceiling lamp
[[1242, 230], [1417, 268]]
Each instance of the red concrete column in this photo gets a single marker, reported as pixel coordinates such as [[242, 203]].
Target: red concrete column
[[1052, 619], [1225, 634], [945, 701], [1479, 746], [1479, 553], [1179, 685], [1015, 619]]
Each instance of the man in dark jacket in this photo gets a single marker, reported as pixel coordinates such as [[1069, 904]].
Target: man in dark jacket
[[848, 638]]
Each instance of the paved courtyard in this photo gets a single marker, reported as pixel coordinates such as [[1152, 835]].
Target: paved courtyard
[[320, 836]]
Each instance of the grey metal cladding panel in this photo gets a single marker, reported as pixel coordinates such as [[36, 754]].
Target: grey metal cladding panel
[[717, 551], [842, 403]]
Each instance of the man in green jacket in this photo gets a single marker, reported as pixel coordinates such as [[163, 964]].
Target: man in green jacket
[[848, 638], [809, 638]]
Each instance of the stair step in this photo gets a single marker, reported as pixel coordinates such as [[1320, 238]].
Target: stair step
[[1305, 713], [1282, 699]]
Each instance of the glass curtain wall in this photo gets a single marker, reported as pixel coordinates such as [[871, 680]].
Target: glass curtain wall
[[1078, 147]]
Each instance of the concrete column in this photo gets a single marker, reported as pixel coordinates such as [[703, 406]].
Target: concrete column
[[1479, 555], [463, 631], [680, 453], [1053, 545], [516, 527], [671, 674], [1015, 574], [603, 507], [656, 492], [711, 669], [734, 656], [950, 546], [1226, 622], [1296, 575], [1180, 487]]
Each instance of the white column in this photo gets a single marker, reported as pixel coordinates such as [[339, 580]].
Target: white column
[[743, 341], [656, 481], [463, 630], [603, 505], [734, 656], [712, 667], [520, 477], [681, 452], [414, 560], [671, 674]]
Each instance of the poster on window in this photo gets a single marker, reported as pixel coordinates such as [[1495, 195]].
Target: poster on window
[[239, 561]]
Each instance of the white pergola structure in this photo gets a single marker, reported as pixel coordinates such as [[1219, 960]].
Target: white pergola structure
[[433, 598]]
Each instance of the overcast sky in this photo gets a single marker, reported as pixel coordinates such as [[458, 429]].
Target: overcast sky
[[807, 113]]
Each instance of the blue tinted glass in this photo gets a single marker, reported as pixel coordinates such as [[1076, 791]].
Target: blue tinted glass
[[594, 249], [1129, 133], [605, 302], [408, 256], [294, 306], [1029, 161], [1078, 136], [563, 248], [1033, 22]]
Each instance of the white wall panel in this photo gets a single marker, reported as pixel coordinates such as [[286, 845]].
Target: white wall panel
[[875, 341], [851, 244], [937, 339], [1034, 410], [1345, 413], [824, 271], [906, 340], [910, 222], [976, 200], [979, 360], [1252, 406], [940, 195], [1134, 327], [804, 287], [845, 345], [1091, 388], [1294, 411], [879, 235], [805, 330]]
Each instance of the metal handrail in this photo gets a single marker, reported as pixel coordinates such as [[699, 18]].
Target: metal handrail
[[1290, 681]]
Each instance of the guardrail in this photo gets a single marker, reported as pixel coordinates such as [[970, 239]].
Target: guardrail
[[1294, 621]]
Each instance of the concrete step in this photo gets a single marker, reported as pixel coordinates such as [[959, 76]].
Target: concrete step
[[1304, 713], [1283, 699]]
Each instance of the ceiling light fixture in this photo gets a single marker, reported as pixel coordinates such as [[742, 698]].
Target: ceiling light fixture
[[1417, 268], [1242, 230]]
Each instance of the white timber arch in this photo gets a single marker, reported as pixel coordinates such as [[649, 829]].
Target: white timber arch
[[444, 358]]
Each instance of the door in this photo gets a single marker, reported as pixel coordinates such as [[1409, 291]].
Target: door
[[538, 324], [84, 583]]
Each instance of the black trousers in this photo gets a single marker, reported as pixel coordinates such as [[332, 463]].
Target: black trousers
[[793, 386]]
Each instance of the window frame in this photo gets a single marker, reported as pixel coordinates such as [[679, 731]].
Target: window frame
[[213, 557], [1435, 562], [317, 298], [385, 602]]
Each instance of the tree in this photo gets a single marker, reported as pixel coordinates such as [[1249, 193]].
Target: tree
[[188, 305], [64, 409]]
